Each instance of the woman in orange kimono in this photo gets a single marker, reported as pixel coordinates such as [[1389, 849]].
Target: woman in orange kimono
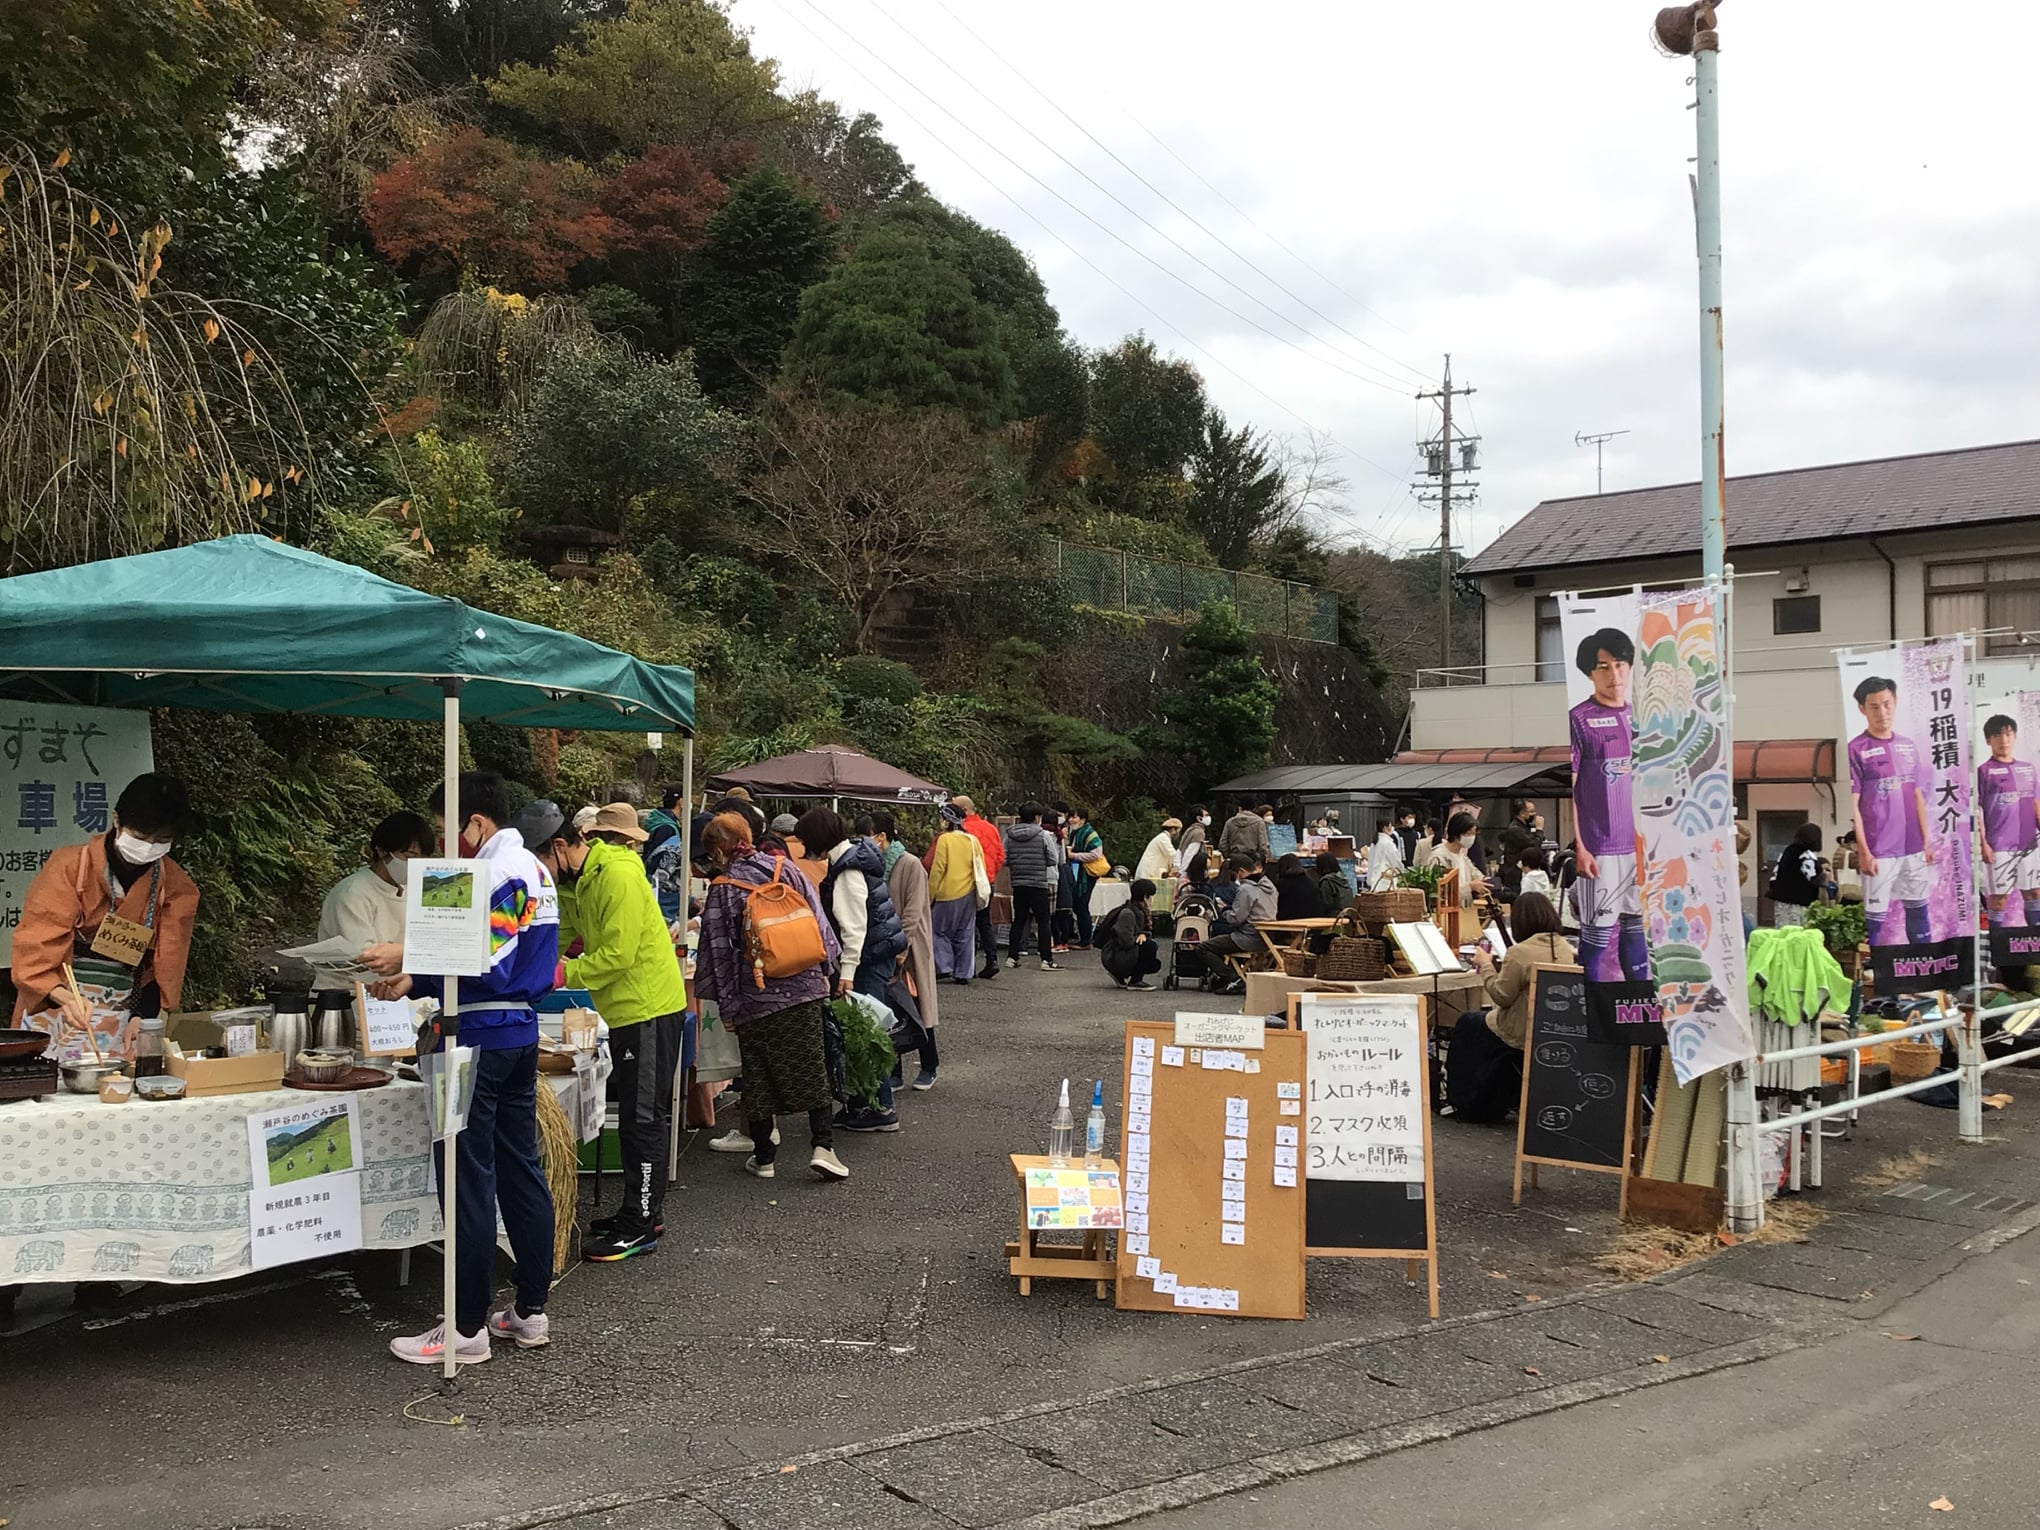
[[119, 912]]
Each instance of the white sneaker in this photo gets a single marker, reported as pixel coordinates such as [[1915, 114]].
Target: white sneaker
[[1013, 963], [737, 1140], [429, 1347], [827, 1165], [528, 1332], [761, 1170]]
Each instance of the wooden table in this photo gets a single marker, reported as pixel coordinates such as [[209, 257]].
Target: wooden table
[[1030, 1259], [1299, 932]]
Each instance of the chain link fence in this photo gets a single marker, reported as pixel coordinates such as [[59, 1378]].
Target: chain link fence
[[1120, 581]]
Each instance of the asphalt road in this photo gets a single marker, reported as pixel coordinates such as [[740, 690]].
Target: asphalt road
[[1932, 1404], [779, 1318]]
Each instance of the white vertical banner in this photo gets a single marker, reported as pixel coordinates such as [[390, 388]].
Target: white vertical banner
[[1684, 791], [61, 771], [1909, 794]]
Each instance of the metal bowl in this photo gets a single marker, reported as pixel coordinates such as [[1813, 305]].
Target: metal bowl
[[160, 1086], [322, 1065], [83, 1076]]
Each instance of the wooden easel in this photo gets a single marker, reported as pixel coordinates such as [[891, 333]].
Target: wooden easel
[[1630, 1156], [1411, 1257]]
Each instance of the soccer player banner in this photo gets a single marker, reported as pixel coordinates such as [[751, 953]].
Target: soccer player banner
[[2008, 808], [1909, 794], [1683, 789], [1599, 633]]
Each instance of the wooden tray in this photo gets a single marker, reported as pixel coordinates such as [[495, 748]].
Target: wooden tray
[[354, 1078]]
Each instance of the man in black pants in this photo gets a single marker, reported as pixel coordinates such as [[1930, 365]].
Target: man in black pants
[[1033, 861]]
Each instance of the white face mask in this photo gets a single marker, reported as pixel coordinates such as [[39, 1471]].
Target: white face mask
[[1204, 822], [137, 851], [395, 865]]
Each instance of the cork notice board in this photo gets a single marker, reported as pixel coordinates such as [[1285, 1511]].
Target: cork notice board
[[1190, 1243]]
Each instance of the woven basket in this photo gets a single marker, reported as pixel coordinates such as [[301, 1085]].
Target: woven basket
[[1353, 959], [1396, 905], [1913, 1060], [1299, 964]]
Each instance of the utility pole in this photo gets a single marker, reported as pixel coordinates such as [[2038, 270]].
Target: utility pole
[[1438, 464], [1581, 438]]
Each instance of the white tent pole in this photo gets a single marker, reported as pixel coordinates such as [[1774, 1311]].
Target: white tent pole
[[686, 899], [450, 1012]]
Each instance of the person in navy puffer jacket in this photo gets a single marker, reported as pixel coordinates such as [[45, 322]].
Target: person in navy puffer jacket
[[861, 908]]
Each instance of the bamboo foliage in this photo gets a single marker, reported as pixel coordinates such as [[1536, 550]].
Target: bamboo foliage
[[133, 415]]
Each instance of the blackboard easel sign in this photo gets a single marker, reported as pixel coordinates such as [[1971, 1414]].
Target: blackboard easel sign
[[1366, 1111], [1578, 1109]]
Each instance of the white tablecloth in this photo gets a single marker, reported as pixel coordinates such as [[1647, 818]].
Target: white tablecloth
[[159, 1191]]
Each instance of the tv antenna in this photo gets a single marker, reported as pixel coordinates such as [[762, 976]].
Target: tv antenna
[[1581, 438]]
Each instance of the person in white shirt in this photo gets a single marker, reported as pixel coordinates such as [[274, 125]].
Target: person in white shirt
[[1158, 860], [366, 906], [1384, 861], [1535, 878]]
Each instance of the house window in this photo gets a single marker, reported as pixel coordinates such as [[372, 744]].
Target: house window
[[1795, 613], [2001, 596], [1550, 640]]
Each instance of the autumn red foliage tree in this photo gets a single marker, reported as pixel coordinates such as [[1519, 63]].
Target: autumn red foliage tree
[[660, 201], [470, 202]]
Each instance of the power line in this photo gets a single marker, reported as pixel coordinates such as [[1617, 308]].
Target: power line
[[1113, 281], [1089, 217], [1195, 222], [1265, 233]]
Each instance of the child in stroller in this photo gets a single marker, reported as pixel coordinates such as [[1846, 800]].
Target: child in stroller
[[1195, 909]]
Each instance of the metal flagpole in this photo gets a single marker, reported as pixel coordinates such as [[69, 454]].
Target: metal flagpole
[[686, 901], [1969, 1039]]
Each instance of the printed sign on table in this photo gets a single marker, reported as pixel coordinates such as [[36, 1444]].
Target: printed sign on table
[[1909, 783], [61, 771], [1073, 1198], [305, 1201], [2008, 811]]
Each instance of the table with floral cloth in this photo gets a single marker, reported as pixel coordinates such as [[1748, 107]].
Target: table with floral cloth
[[159, 1190]]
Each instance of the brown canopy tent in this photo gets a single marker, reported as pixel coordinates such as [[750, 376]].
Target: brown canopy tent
[[830, 771]]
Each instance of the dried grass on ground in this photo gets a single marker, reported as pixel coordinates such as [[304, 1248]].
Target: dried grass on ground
[[1905, 1168], [1639, 1252]]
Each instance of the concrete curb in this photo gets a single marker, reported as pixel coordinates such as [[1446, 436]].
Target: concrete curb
[[1119, 1507]]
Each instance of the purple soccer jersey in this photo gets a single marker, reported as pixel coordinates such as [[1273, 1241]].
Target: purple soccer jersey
[[1881, 771], [1602, 804], [2004, 794]]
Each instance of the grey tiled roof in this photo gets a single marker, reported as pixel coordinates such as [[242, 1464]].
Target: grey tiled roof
[[1974, 486]]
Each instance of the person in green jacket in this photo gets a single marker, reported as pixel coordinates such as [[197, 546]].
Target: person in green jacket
[[628, 965]]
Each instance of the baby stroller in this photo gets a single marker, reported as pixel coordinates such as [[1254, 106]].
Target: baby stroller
[[1194, 913]]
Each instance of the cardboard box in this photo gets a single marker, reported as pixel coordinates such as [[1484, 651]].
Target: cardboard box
[[217, 1075]]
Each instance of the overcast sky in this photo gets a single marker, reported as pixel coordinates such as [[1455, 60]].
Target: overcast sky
[[1504, 182]]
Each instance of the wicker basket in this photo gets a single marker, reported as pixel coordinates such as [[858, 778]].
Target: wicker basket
[[1913, 1060], [1299, 963], [1396, 905], [1353, 959]]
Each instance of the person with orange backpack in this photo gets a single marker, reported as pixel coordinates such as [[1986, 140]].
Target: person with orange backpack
[[768, 959]]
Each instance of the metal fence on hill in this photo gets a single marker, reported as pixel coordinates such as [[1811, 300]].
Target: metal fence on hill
[[1120, 581]]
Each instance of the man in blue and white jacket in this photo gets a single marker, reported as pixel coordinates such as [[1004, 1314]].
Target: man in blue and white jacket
[[497, 1154]]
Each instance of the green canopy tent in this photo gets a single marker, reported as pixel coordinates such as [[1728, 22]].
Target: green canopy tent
[[246, 624]]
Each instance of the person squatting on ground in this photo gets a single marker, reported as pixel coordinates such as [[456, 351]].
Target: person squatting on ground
[[1612, 946], [1125, 949]]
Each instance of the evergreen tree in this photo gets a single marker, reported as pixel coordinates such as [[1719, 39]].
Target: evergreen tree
[[1221, 717], [767, 243], [895, 325]]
